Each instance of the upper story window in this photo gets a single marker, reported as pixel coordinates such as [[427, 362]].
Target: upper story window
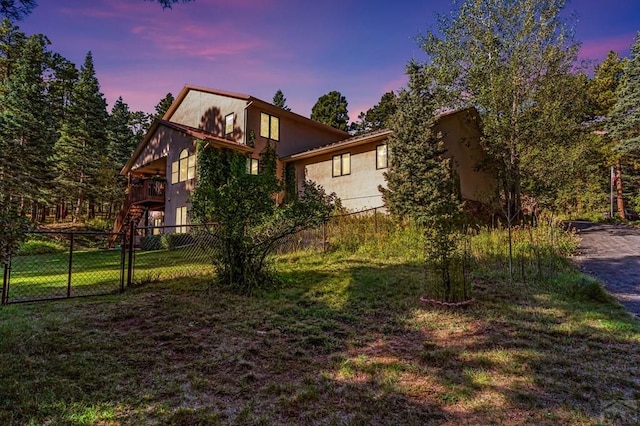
[[269, 126], [341, 164], [228, 124], [382, 161], [253, 166], [184, 168]]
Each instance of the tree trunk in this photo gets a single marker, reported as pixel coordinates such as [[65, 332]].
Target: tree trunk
[[619, 196]]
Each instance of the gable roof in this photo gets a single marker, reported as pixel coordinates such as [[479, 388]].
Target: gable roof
[[375, 136], [209, 137], [266, 106]]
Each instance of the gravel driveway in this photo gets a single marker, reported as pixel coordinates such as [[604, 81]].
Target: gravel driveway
[[611, 253]]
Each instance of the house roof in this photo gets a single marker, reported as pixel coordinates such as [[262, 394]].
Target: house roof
[[266, 106], [375, 136], [210, 138]]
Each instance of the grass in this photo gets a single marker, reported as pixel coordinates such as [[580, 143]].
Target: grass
[[344, 341], [97, 271]]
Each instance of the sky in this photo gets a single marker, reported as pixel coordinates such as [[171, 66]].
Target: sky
[[306, 48]]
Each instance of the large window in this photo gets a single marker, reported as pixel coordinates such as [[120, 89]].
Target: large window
[[342, 164], [382, 161], [253, 166], [228, 125], [269, 126], [184, 168], [181, 220]]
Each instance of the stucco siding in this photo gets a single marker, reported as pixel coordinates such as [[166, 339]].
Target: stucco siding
[[358, 190], [207, 111]]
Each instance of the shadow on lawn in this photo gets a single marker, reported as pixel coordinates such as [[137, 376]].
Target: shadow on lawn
[[346, 343]]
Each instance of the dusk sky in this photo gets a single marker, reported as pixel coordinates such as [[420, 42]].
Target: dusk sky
[[306, 48]]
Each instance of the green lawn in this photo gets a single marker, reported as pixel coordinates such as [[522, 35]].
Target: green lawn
[[97, 271], [345, 341]]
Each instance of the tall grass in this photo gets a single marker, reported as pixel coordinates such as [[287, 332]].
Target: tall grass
[[538, 253]]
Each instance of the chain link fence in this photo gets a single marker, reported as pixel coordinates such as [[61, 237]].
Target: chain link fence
[[56, 265]]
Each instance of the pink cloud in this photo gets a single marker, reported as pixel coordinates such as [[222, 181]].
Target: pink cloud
[[598, 49]]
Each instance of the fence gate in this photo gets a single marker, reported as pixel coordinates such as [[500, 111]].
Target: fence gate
[[59, 265]]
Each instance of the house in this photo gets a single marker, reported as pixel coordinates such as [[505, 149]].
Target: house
[[162, 170], [354, 167]]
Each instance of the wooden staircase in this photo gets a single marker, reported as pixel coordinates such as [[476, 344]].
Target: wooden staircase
[[137, 202]]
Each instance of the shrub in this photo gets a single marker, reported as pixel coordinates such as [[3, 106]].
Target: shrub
[[150, 242], [32, 247], [99, 224], [589, 290], [173, 241]]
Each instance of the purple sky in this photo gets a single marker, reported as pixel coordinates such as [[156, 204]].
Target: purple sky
[[306, 48]]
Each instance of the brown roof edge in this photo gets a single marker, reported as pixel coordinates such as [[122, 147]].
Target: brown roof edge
[[375, 136], [187, 87], [214, 140], [365, 138], [258, 102]]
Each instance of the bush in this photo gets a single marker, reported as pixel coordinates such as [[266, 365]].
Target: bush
[[150, 242], [32, 247], [172, 241], [99, 224]]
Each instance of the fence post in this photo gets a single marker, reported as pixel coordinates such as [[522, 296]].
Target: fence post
[[132, 229], [375, 219], [324, 237], [123, 243], [70, 265], [5, 284]]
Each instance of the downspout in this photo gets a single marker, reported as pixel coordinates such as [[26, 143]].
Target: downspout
[[246, 112]]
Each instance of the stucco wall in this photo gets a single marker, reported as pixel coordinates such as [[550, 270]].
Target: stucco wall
[[358, 190], [461, 137], [207, 111], [178, 194], [295, 136]]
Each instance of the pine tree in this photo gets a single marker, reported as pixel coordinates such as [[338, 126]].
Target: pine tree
[[376, 117], [421, 182], [27, 129], [11, 43], [280, 101], [624, 119], [164, 104], [331, 109], [81, 150]]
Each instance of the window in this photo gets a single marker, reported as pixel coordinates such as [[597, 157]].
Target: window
[[228, 124], [181, 220], [342, 164], [252, 166], [381, 157], [184, 168], [269, 126]]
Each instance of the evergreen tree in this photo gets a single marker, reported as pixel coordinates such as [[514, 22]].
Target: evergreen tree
[[376, 117], [331, 109], [11, 43], [122, 139], [164, 104], [603, 86], [27, 129], [82, 154], [27, 134], [421, 182], [280, 101], [624, 119]]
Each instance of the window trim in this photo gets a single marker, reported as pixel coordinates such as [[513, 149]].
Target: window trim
[[250, 163], [270, 126], [232, 115], [186, 163], [386, 156], [342, 161], [181, 225]]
